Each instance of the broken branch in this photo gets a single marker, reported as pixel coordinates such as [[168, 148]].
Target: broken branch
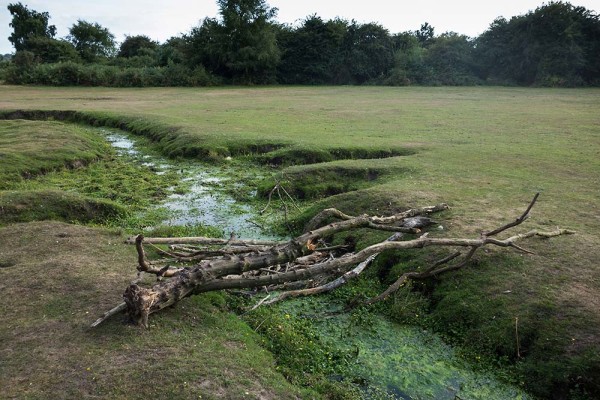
[[295, 261]]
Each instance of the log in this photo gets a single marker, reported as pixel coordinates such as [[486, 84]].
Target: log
[[205, 240], [208, 274], [301, 260]]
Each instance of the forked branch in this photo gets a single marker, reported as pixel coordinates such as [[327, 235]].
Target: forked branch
[[307, 260]]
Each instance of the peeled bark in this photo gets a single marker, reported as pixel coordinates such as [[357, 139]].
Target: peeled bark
[[298, 260]]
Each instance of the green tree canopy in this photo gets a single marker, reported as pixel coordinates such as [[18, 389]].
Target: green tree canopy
[[91, 40], [247, 42], [311, 53], [369, 51], [557, 44], [28, 24], [425, 35], [450, 57], [49, 50], [136, 46], [202, 46]]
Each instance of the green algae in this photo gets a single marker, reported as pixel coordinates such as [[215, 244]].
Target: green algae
[[392, 361]]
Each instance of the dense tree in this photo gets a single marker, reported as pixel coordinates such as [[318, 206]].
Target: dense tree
[[202, 46], [450, 57], [409, 61], [138, 45], [241, 46], [91, 40], [49, 50], [311, 53], [28, 24], [557, 44], [246, 40], [425, 35], [369, 51], [172, 51]]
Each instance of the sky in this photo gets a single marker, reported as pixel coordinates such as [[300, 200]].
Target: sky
[[162, 19]]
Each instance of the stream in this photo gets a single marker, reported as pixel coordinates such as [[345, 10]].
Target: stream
[[206, 200], [398, 361]]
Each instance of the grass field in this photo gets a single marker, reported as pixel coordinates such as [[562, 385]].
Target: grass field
[[485, 151]]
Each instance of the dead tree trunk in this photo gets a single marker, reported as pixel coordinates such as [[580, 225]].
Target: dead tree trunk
[[300, 259]]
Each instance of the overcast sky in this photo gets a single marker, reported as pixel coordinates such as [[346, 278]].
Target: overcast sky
[[161, 19]]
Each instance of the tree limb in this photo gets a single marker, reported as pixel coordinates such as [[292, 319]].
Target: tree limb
[[296, 260]]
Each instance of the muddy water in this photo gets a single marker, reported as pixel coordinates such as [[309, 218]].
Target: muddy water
[[395, 361]]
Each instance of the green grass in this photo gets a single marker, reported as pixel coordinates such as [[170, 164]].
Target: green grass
[[46, 204], [485, 151], [68, 172], [56, 286], [30, 148]]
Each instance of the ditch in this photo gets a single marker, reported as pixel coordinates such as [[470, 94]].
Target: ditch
[[390, 360]]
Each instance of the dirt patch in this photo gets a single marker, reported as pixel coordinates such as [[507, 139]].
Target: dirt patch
[[62, 277]]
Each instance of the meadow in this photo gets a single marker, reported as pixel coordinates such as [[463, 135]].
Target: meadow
[[484, 151]]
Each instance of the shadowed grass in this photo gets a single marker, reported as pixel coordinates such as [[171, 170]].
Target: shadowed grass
[[327, 179], [39, 205]]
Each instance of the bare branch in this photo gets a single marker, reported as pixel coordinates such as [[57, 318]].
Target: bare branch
[[120, 308], [323, 288], [296, 261], [205, 240], [516, 222]]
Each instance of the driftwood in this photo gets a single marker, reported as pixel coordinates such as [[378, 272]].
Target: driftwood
[[305, 261]]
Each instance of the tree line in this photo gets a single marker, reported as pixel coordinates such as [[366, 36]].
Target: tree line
[[557, 44]]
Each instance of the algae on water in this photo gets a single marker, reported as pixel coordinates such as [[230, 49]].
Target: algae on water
[[398, 361]]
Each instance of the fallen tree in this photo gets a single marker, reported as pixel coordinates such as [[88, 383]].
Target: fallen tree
[[302, 266]]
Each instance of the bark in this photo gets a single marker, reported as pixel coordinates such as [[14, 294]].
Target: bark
[[305, 258]]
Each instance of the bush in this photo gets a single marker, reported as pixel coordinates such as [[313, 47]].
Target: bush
[[25, 70], [153, 76], [130, 77]]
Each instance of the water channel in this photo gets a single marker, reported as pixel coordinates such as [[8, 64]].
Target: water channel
[[402, 362]]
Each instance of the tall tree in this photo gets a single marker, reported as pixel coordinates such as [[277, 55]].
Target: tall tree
[[28, 24], [311, 53], [557, 44], [247, 40], [369, 51], [409, 61], [49, 50], [91, 40], [450, 57], [425, 34], [203, 46]]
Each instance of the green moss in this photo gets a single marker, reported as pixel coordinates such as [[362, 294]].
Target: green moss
[[38, 205], [31, 148]]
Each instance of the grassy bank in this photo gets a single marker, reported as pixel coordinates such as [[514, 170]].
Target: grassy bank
[[31, 148], [57, 277], [51, 170], [485, 151]]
